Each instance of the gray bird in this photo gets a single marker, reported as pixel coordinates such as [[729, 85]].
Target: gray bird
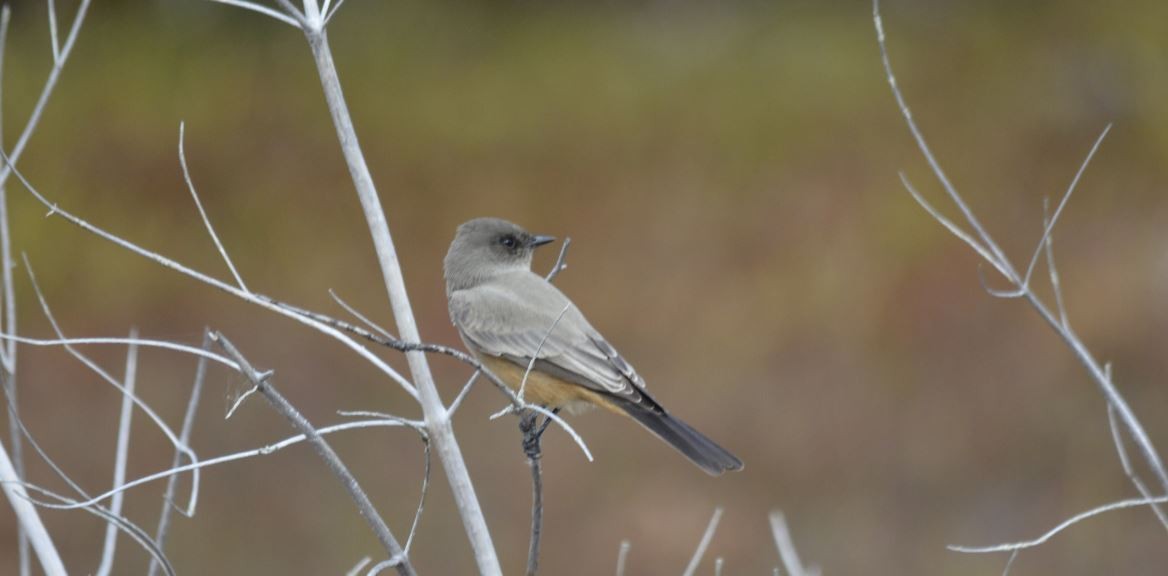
[[506, 315]]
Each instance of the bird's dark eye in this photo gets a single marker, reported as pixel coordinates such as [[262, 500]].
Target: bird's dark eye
[[508, 241]]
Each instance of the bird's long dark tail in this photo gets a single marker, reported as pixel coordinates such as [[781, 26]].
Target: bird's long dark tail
[[694, 445]]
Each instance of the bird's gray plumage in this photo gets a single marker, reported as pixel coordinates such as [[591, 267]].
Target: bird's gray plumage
[[503, 310]]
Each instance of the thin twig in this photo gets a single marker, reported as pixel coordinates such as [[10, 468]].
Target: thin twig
[[708, 536], [93, 367], [561, 261], [56, 50], [1063, 526], [462, 393], [1048, 226], [38, 109], [141, 342], [182, 160], [132, 530], [622, 557], [1009, 272], [8, 308], [539, 348], [1060, 325], [322, 448], [265, 450], [336, 8], [1117, 437], [184, 435], [358, 315], [786, 547], [121, 457], [28, 519], [1055, 284], [356, 569], [261, 9], [257, 299]]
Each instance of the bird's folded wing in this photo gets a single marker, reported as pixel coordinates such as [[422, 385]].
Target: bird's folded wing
[[547, 326]]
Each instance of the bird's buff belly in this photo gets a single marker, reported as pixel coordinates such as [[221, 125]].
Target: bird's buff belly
[[543, 389]]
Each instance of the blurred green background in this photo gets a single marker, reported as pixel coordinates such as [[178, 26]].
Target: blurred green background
[[728, 174]]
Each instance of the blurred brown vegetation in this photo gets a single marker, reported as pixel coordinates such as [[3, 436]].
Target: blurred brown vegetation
[[728, 175]]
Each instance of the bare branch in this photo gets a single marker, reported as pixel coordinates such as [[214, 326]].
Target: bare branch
[[539, 348], [1055, 285], [1063, 526], [953, 228], [359, 316], [46, 92], [999, 257], [437, 418], [1049, 224], [257, 299], [93, 367], [228, 458], [322, 448], [142, 342], [122, 455], [335, 9], [561, 261], [261, 9], [53, 31], [694, 562], [1117, 437], [132, 530], [462, 393], [27, 517], [182, 159], [1060, 325], [528, 425], [786, 547], [356, 569], [622, 557], [184, 436]]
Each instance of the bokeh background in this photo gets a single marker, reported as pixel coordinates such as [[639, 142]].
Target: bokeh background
[[728, 174]]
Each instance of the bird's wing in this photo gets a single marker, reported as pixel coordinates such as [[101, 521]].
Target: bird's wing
[[542, 324]]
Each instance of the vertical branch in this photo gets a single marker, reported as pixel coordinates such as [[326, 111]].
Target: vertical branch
[[786, 547], [528, 425], [8, 297], [28, 519], [437, 419], [122, 455], [622, 557], [184, 437]]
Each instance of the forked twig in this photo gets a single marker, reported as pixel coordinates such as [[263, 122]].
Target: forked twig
[[1117, 405], [182, 160], [322, 448]]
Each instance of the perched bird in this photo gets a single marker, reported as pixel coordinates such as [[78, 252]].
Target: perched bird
[[507, 315]]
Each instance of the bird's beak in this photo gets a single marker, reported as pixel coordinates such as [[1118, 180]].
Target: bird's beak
[[537, 241]]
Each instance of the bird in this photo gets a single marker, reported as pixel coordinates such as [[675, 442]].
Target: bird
[[511, 319]]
